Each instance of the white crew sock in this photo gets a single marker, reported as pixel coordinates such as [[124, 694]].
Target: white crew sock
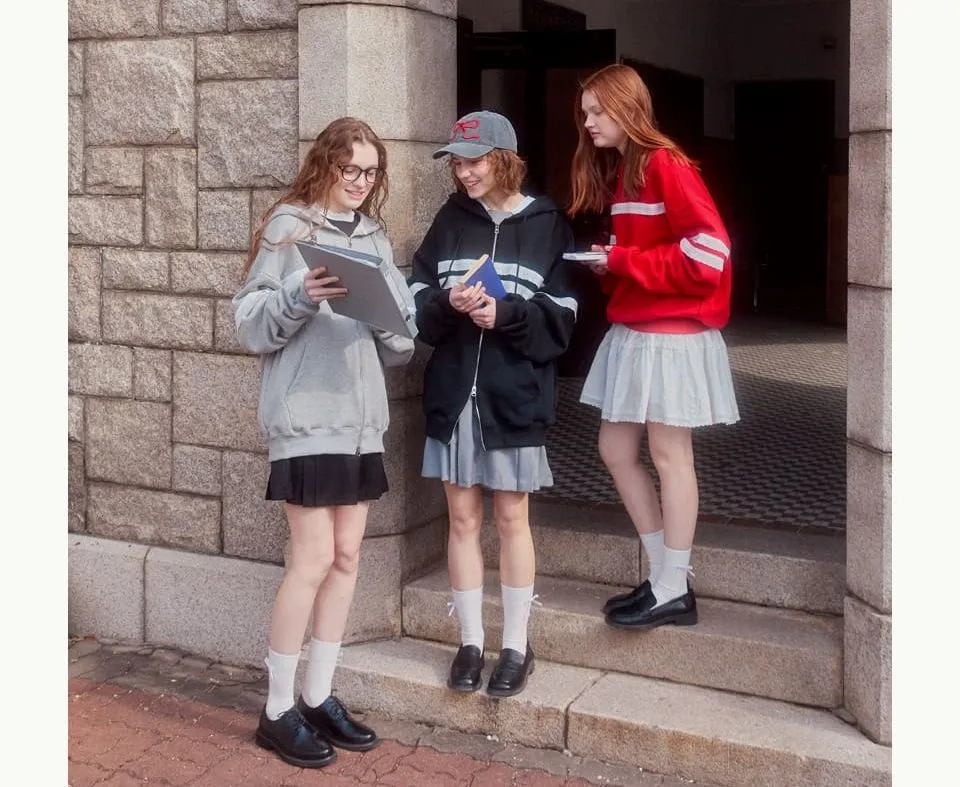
[[469, 607], [653, 546], [516, 613], [282, 669], [318, 680], [672, 582]]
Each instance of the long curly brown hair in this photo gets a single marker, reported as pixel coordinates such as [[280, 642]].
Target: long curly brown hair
[[333, 147], [624, 96]]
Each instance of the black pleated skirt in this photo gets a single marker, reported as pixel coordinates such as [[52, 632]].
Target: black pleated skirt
[[327, 479]]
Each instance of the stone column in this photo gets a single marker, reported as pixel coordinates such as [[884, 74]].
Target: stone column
[[391, 63], [867, 608]]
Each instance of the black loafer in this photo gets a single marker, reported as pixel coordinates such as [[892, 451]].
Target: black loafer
[[623, 600], [510, 675], [294, 740], [466, 668], [681, 611], [331, 720]]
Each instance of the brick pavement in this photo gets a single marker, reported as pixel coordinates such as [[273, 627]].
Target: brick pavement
[[146, 716]]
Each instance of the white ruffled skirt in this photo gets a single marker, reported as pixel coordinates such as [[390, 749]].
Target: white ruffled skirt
[[673, 379]]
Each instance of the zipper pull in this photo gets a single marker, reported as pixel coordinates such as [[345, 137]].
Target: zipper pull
[[473, 392]]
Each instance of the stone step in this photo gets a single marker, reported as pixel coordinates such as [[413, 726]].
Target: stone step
[[776, 653], [776, 568], [700, 734]]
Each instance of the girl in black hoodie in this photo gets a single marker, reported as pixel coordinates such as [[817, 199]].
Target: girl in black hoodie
[[490, 384]]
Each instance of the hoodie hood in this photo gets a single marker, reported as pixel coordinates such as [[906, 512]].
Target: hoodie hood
[[539, 206], [316, 217]]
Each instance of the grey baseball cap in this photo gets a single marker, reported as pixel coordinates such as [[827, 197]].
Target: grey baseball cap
[[476, 134]]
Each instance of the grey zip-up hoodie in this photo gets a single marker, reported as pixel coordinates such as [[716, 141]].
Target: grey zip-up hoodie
[[322, 389]]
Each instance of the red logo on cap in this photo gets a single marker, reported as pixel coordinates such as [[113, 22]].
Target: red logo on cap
[[463, 126]]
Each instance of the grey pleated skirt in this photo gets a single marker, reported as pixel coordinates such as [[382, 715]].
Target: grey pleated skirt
[[673, 379], [465, 463]]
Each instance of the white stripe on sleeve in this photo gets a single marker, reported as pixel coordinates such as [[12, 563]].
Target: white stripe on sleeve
[[700, 255], [710, 242], [564, 303], [638, 208]]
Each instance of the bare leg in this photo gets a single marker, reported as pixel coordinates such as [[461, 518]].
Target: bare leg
[[517, 558], [311, 556], [464, 557], [671, 448], [517, 565], [465, 560], [619, 444], [332, 606]]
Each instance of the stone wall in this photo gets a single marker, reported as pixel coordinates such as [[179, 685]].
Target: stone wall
[[183, 126], [185, 123], [868, 605]]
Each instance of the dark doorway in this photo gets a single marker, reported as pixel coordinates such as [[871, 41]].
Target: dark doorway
[[537, 76], [784, 151]]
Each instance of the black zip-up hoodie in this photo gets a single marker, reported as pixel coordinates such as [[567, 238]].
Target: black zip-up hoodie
[[510, 370]]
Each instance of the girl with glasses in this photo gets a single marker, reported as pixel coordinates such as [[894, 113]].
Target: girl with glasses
[[323, 410]]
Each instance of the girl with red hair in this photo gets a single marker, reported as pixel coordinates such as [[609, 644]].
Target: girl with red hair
[[662, 368]]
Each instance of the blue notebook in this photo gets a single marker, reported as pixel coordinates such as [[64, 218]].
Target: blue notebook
[[484, 272]]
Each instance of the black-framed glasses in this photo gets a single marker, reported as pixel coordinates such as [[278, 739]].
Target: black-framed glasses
[[351, 173]]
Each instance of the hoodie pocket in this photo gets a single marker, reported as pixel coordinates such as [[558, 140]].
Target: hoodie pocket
[[515, 403], [324, 388]]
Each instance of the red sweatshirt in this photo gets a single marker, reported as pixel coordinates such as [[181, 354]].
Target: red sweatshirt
[[669, 268]]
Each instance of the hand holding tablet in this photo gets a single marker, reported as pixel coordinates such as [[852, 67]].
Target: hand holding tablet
[[596, 259], [586, 256]]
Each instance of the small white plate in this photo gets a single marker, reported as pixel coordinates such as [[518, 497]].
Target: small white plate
[[585, 256]]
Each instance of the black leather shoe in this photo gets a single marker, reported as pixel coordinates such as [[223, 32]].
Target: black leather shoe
[[623, 600], [294, 740], [681, 611], [510, 675], [331, 720], [466, 668]]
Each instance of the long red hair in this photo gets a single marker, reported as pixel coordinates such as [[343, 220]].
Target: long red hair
[[333, 147], [625, 98]]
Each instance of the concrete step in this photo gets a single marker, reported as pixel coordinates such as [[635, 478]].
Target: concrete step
[[776, 568], [671, 729], [721, 738], [407, 679], [776, 653]]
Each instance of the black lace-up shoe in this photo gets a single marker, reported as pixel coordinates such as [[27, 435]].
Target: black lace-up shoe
[[510, 675], [331, 720], [294, 740], [643, 615], [624, 600], [466, 668]]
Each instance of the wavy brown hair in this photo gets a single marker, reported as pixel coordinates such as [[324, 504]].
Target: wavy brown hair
[[625, 98], [333, 147], [509, 170]]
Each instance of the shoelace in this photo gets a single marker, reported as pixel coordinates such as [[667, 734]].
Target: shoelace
[[335, 709]]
